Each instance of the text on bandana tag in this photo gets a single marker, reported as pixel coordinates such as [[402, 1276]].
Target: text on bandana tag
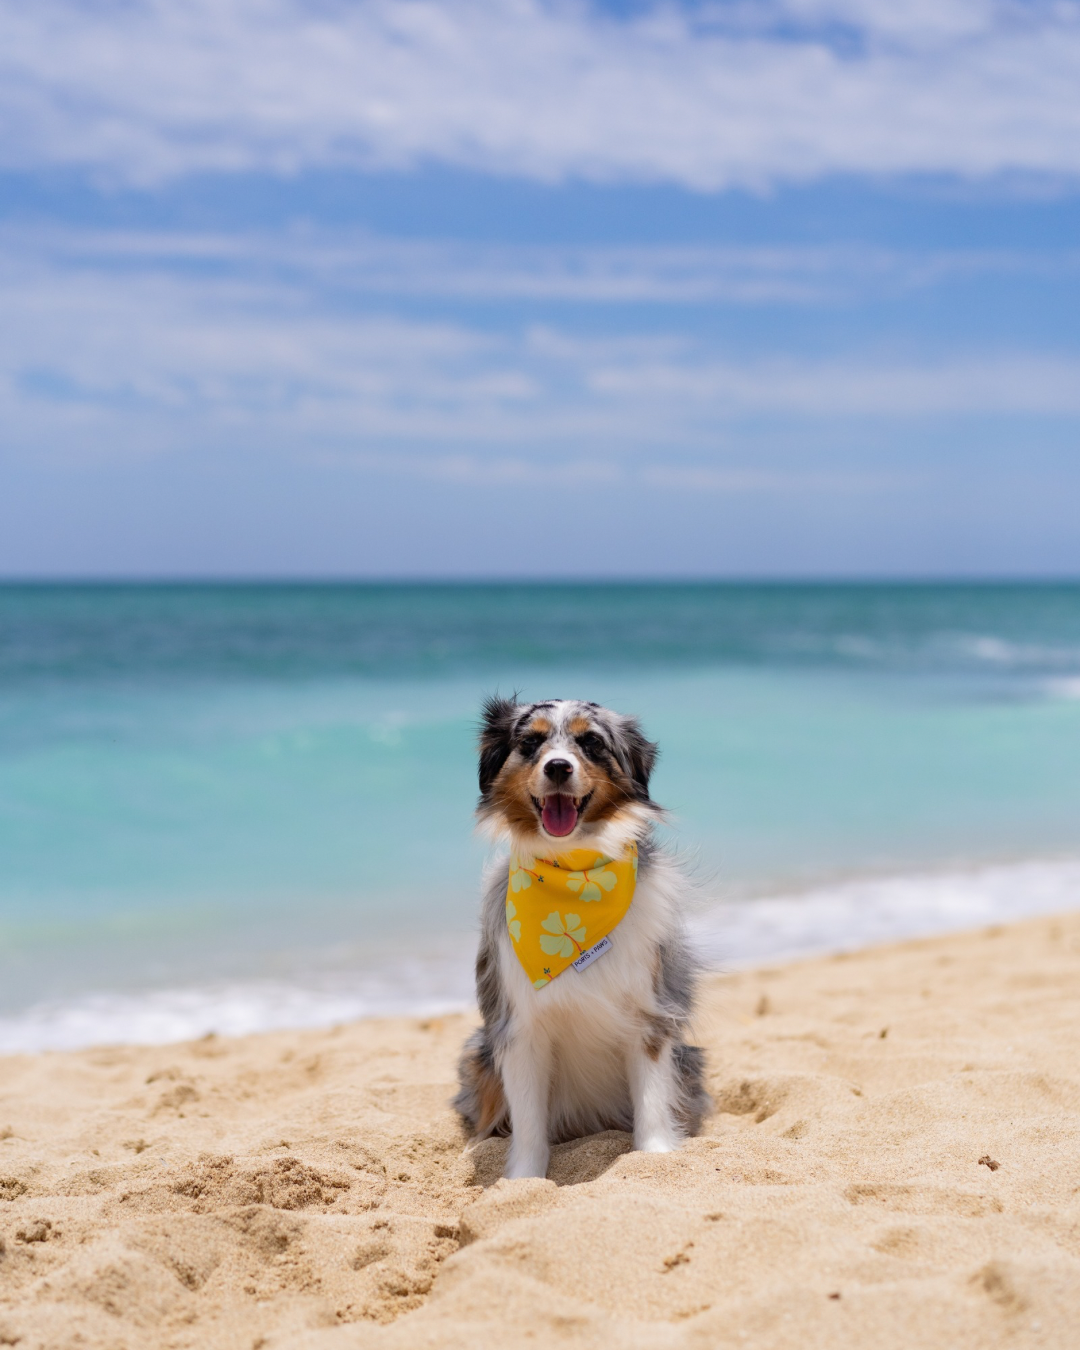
[[587, 958]]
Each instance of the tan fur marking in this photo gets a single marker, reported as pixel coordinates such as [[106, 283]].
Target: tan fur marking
[[515, 788], [512, 797], [489, 1090], [577, 726], [656, 1035], [609, 795], [540, 724]]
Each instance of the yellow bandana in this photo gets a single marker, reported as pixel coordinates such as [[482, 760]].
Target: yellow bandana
[[559, 909]]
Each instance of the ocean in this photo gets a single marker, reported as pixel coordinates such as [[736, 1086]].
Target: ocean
[[228, 807]]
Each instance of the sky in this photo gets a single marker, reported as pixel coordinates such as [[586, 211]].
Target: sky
[[527, 288]]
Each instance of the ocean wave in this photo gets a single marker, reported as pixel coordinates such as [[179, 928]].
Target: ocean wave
[[1000, 652], [859, 913], [404, 987], [840, 917], [1069, 690]]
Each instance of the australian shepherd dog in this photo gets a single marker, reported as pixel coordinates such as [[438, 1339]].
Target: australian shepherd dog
[[601, 1047]]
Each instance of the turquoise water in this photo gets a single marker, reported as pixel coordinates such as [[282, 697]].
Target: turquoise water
[[230, 783]]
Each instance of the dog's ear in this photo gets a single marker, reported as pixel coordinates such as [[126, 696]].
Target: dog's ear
[[640, 754], [498, 716]]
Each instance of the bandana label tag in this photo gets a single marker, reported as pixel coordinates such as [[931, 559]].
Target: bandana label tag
[[593, 954]]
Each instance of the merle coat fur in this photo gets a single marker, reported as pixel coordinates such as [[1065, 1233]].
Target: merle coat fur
[[603, 1048]]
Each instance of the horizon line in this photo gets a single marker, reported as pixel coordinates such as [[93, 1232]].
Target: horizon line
[[480, 579]]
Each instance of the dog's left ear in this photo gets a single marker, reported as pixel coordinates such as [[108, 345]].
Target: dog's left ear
[[496, 733], [640, 754]]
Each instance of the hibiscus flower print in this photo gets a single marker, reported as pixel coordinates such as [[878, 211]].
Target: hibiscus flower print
[[593, 880], [562, 936], [513, 923], [520, 877]]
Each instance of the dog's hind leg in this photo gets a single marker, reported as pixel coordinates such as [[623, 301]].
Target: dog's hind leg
[[480, 1099], [693, 1103]]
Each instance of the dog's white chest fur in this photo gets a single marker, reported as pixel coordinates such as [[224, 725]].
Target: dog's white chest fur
[[589, 1026]]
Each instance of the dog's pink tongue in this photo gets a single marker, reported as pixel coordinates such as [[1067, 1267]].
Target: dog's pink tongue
[[560, 814]]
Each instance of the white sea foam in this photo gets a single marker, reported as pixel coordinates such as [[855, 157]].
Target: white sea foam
[[998, 651], [839, 917], [858, 913], [160, 1016]]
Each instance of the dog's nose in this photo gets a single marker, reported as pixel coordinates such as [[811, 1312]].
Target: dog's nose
[[558, 770]]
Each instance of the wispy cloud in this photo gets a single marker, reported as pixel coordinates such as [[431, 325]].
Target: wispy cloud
[[708, 97], [544, 472], [174, 359], [342, 264], [1023, 383]]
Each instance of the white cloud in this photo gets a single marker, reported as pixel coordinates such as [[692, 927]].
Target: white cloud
[[710, 478], [159, 360], [351, 264], [1021, 383], [730, 94], [543, 471]]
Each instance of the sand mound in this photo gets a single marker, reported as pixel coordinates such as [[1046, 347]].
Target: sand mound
[[894, 1161]]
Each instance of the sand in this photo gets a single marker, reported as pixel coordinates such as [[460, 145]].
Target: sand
[[894, 1161]]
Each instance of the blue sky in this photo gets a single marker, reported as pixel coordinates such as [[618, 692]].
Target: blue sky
[[517, 288]]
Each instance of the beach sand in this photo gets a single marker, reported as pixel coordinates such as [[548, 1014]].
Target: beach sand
[[894, 1161]]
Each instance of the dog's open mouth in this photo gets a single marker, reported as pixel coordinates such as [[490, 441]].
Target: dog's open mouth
[[560, 812]]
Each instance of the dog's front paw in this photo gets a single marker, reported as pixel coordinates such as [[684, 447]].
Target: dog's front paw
[[657, 1143], [519, 1165]]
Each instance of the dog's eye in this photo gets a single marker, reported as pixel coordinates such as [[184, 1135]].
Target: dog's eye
[[591, 743], [529, 745]]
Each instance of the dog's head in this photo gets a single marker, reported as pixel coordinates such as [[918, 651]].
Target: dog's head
[[563, 770]]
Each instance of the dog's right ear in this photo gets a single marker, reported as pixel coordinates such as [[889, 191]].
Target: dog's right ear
[[496, 737]]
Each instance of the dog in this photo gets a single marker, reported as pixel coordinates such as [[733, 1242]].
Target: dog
[[598, 1045]]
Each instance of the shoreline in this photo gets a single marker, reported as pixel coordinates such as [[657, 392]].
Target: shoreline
[[848, 914], [895, 1150]]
